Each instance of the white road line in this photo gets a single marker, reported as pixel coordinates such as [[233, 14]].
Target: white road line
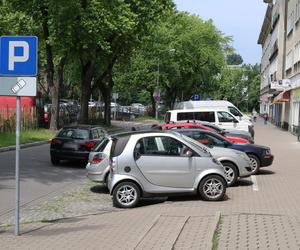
[[255, 185]]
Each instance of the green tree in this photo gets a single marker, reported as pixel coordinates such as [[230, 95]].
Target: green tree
[[234, 59], [182, 56]]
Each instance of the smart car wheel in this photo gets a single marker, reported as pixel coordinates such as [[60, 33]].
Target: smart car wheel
[[255, 164], [126, 195], [212, 188], [231, 173]]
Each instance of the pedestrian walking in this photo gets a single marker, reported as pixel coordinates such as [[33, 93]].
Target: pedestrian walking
[[266, 118], [254, 115]]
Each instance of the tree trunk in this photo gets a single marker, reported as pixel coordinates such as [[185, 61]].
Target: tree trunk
[[106, 93], [50, 73], [153, 104], [86, 90]]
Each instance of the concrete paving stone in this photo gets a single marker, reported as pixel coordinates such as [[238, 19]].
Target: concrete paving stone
[[195, 233], [164, 233], [257, 231]]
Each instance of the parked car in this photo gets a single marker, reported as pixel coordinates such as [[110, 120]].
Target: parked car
[[260, 156], [236, 163], [154, 163], [214, 103], [98, 164], [216, 115], [228, 132], [75, 142], [195, 125], [138, 108]]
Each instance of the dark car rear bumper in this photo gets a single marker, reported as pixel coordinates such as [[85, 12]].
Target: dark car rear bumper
[[267, 160], [69, 155]]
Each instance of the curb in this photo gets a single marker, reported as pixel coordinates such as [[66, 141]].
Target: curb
[[27, 145]]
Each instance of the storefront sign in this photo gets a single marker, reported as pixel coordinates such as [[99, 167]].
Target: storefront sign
[[281, 84], [264, 98]]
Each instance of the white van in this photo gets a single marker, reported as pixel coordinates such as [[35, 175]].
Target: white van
[[214, 104], [217, 116]]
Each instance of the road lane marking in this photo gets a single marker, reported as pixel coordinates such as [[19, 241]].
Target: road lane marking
[[255, 185]]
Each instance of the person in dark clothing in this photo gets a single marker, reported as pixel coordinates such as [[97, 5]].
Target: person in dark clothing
[[265, 117]]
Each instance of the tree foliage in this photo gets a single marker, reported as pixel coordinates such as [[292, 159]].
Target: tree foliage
[[234, 59], [135, 47]]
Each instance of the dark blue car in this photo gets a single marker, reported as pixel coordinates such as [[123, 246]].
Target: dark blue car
[[260, 156]]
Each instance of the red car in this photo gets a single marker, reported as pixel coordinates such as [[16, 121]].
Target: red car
[[168, 126]]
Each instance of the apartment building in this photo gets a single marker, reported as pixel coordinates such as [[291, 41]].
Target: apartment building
[[280, 63]]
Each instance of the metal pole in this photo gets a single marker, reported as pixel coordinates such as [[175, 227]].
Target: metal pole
[[115, 100], [17, 209], [157, 83]]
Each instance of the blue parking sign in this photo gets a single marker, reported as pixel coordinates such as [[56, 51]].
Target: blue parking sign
[[18, 56]]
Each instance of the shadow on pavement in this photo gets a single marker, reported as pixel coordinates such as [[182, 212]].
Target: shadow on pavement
[[243, 182], [265, 172], [193, 198], [71, 164], [151, 201], [99, 189]]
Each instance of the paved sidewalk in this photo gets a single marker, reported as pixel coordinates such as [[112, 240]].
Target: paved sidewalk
[[266, 217]]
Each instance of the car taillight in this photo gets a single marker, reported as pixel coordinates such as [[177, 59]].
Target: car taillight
[[96, 159], [89, 144], [55, 142]]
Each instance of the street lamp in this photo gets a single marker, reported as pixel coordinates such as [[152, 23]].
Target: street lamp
[[156, 93]]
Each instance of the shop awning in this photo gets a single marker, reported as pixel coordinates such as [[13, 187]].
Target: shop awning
[[284, 96]]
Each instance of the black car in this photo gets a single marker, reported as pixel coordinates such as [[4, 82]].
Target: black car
[[260, 156], [75, 142]]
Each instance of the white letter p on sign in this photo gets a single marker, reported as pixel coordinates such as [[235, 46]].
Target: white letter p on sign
[[12, 58]]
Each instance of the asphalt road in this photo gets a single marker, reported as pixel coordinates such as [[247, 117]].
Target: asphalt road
[[39, 179]]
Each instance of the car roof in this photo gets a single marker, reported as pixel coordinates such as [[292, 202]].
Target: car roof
[[129, 133], [82, 126]]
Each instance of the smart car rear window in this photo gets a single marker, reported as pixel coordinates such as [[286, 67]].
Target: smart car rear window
[[119, 145]]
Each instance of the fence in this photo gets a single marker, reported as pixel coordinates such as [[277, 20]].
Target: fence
[[8, 118]]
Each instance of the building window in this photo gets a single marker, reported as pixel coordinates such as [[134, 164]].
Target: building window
[[290, 23], [297, 12], [289, 60]]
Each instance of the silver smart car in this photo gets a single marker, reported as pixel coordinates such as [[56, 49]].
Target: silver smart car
[[145, 164]]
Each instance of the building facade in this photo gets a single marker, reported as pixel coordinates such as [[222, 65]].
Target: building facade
[[280, 63]]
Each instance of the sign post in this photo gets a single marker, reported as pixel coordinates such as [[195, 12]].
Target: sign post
[[115, 97], [18, 65], [156, 96]]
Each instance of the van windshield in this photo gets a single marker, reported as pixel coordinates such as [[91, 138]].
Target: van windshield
[[235, 111]]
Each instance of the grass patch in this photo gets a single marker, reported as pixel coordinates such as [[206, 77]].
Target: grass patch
[[147, 118], [9, 139], [216, 236]]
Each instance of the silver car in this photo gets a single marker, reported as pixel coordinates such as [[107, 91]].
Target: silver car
[[98, 163], [236, 163], [149, 164]]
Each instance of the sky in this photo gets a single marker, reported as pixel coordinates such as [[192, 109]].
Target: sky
[[241, 19]]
